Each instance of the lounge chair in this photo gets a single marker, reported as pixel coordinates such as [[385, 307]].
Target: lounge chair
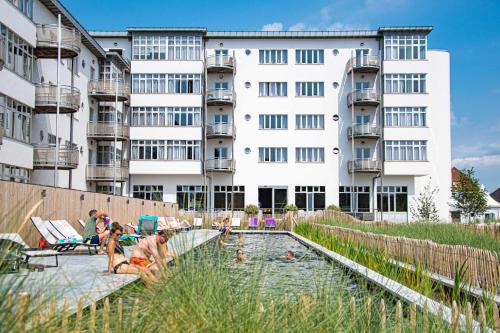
[[147, 224], [22, 252], [253, 223], [235, 222], [54, 234], [197, 222], [173, 224], [270, 223]]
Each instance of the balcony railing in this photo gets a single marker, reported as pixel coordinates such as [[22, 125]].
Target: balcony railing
[[1, 127], [220, 97], [46, 41], [219, 130], [364, 97], [365, 165], [217, 164], [220, 64], [106, 130], [364, 64], [44, 157], [46, 99], [363, 131], [108, 90], [108, 172]]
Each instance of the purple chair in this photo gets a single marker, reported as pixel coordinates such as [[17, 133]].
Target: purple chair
[[270, 223], [253, 222]]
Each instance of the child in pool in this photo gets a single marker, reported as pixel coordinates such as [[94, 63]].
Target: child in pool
[[288, 256], [240, 257]]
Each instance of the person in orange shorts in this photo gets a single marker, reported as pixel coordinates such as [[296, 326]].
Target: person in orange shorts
[[154, 246]]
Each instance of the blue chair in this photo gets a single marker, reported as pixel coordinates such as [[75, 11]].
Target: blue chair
[[147, 225]]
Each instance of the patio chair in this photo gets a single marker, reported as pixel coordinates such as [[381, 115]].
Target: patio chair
[[197, 222], [174, 224], [270, 223], [235, 222], [16, 250], [147, 224], [253, 223]]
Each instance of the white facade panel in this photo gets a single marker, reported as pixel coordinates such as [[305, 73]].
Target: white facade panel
[[16, 21], [165, 133], [16, 153], [168, 67], [165, 167], [166, 100]]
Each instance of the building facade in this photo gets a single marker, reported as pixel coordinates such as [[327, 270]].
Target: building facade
[[218, 120]]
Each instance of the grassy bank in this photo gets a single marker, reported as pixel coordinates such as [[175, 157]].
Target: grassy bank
[[451, 234]]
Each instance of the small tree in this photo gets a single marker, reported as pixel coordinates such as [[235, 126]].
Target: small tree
[[424, 206], [290, 208], [251, 210], [468, 195]]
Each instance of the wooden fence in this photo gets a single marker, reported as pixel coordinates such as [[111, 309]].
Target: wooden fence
[[16, 201], [483, 267]]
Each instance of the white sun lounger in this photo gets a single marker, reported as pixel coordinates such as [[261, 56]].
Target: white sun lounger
[[235, 222], [198, 222], [28, 252]]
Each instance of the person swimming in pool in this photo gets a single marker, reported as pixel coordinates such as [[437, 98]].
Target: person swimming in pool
[[240, 257], [288, 256], [240, 239]]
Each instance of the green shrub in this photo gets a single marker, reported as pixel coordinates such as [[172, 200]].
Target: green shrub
[[251, 210], [333, 207], [290, 208]]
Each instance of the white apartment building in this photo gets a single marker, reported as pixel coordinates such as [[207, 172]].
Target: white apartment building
[[220, 120]]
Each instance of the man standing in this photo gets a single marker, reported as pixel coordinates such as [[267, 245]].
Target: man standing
[[92, 234], [154, 246]]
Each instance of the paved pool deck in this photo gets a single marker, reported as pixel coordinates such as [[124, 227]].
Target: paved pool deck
[[81, 276]]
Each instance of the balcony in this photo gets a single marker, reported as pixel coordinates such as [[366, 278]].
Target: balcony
[[44, 157], [1, 128], [220, 64], [46, 42], [105, 130], [108, 172], [364, 64], [220, 131], [220, 165], [219, 97], [364, 97], [108, 90], [364, 131], [365, 165], [46, 99]]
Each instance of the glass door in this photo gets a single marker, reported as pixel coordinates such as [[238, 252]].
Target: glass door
[[280, 200], [361, 57], [362, 85], [362, 153], [220, 153], [220, 56], [221, 85], [221, 119]]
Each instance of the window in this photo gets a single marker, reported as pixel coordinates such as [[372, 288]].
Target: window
[[273, 154], [273, 121], [405, 116], [169, 150], [273, 89], [309, 89], [17, 53], [222, 197], [309, 121], [25, 6], [273, 57], [405, 150], [191, 197], [165, 116], [407, 47], [148, 192], [405, 83], [16, 119], [310, 197], [309, 56], [163, 47], [108, 189], [109, 71], [310, 155], [14, 174], [392, 198], [354, 198], [166, 83]]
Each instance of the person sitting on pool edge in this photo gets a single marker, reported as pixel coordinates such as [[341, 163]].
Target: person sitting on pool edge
[[152, 246], [288, 256], [92, 234], [224, 227], [240, 257]]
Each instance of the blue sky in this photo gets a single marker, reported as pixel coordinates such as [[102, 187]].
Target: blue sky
[[468, 29]]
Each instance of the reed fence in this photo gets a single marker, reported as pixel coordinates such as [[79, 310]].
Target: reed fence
[[482, 266]]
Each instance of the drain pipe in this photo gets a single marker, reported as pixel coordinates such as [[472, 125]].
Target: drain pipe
[[374, 197]]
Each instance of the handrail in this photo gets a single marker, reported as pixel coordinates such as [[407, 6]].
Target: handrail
[[364, 165], [220, 164], [46, 36], [364, 61], [364, 129], [108, 171], [43, 156], [220, 95], [108, 87], [369, 95], [46, 94], [220, 61], [107, 129], [219, 129]]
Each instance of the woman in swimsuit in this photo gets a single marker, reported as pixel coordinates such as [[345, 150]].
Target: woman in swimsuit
[[117, 263]]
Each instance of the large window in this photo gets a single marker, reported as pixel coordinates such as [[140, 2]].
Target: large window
[[392, 198], [148, 192], [407, 47], [15, 118], [309, 89], [191, 197], [273, 121], [161, 47], [14, 174], [405, 83], [310, 197], [166, 83], [25, 6], [405, 150], [309, 121], [170, 150], [309, 56], [165, 116], [273, 89], [273, 56], [405, 116], [354, 198], [310, 155], [17, 53], [273, 154], [223, 194]]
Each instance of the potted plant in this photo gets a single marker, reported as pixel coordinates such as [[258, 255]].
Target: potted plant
[[251, 210]]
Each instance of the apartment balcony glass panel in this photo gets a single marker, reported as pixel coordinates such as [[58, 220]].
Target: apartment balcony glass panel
[[220, 64], [220, 130], [109, 90], [44, 157], [364, 64], [220, 97], [221, 165], [46, 41], [108, 172], [364, 131], [46, 99], [365, 165], [363, 97], [105, 130]]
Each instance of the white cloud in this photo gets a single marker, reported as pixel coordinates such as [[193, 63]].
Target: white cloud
[[339, 26], [477, 161], [275, 26], [495, 91]]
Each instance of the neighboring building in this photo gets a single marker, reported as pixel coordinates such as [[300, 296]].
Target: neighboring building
[[496, 195], [220, 120]]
